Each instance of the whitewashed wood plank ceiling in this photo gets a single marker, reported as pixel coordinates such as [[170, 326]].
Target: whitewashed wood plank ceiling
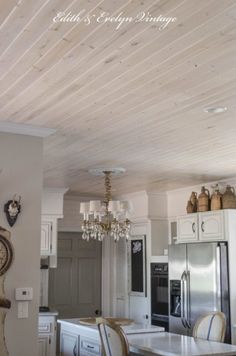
[[130, 97]]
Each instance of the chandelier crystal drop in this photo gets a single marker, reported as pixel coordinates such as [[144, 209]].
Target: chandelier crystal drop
[[107, 217]]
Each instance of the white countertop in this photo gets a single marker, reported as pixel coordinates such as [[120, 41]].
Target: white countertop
[[168, 344], [128, 329], [49, 313], [141, 328]]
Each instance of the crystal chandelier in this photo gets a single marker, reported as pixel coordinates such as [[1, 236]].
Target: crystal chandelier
[[107, 217]]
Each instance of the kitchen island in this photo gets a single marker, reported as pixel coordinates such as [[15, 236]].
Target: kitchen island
[[77, 339]]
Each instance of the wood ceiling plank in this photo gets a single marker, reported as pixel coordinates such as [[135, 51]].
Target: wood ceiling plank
[[60, 48], [35, 93], [34, 31], [147, 82], [23, 13], [7, 9], [49, 38], [92, 58], [156, 117], [197, 93], [74, 91], [201, 130], [179, 82], [149, 117]]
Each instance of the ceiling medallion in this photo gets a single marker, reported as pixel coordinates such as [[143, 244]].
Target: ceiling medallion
[[107, 217]]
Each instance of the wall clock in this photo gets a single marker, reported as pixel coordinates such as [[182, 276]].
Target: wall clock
[[6, 254]]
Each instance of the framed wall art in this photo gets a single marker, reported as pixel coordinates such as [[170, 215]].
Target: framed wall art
[[137, 265]]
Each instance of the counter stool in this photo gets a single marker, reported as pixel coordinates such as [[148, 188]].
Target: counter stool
[[210, 327], [113, 339]]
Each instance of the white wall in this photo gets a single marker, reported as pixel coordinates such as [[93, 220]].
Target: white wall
[[52, 201], [149, 218], [21, 164], [177, 199], [72, 219]]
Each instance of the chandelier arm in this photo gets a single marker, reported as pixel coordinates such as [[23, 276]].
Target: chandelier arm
[[107, 189]]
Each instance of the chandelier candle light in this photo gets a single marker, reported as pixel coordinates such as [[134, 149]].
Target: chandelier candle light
[[108, 217]]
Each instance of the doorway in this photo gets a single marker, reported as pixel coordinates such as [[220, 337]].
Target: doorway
[[75, 285]]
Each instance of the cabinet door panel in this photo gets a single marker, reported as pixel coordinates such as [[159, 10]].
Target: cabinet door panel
[[187, 228], [43, 345], [211, 226], [69, 344], [46, 238]]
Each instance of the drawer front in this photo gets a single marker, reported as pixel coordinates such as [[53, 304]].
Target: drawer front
[[45, 327], [90, 347]]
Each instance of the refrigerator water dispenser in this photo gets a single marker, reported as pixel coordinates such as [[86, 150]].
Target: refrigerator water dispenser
[[175, 298]]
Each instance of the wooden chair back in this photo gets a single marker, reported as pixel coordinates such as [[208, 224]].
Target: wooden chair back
[[211, 327], [113, 339]]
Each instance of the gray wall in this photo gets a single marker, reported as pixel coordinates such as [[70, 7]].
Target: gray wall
[[21, 165]]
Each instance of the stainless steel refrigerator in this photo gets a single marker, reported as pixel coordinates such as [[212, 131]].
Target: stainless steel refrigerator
[[198, 283]]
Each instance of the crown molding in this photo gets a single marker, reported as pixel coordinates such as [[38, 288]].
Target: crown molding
[[25, 129], [55, 190]]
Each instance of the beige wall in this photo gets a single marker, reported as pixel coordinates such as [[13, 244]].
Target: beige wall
[[21, 165]]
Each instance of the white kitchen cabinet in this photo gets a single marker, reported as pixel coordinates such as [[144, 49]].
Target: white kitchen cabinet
[[187, 228], [69, 344], [49, 239], [43, 345], [78, 340], [202, 227], [52, 210], [48, 236], [172, 231], [47, 335], [211, 226]]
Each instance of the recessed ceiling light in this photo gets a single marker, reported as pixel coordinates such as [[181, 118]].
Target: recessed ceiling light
[[215, 110]]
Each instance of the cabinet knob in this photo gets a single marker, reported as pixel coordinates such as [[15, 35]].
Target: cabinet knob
[[97, 312]]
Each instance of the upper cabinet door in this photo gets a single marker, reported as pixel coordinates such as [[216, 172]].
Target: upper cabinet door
[[187, 228], [211, 226], [46, 238]]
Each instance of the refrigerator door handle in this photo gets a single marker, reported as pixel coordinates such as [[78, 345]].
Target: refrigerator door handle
[[218, 277], [183, 298], [188, 322]]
